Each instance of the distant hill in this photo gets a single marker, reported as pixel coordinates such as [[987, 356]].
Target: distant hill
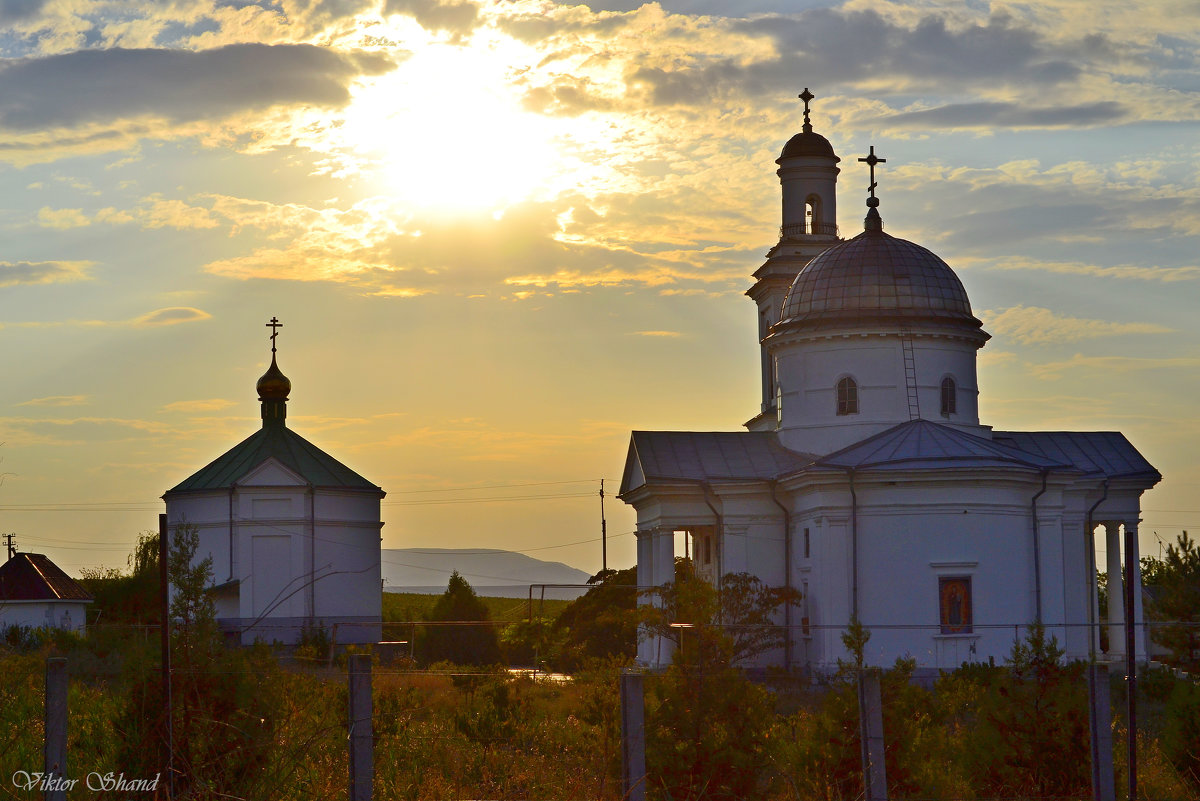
[[495, 573]]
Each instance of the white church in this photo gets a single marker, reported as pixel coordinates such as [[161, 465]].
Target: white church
[[867, 481], [294, 535]]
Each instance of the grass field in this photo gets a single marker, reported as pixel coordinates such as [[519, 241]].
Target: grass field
[[407, 606]]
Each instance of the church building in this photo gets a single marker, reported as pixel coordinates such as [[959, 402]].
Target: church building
[[867, 482], [294, 534]]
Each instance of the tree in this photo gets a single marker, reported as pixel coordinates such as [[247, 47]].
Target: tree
[[127, 597], [1032, 734], [727, 625], [220, 728], [1177, 603], [602, 623], [462, 645], [708, 735]]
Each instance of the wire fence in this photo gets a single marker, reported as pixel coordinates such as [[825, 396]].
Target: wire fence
[[267, 722]]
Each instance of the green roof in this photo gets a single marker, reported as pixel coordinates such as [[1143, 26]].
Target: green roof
[[274, 441]]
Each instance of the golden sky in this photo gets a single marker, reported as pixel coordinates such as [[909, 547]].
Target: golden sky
[[501, 234]]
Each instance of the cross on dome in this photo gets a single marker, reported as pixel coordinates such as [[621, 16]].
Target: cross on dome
[[871, 160], [275, 325], [806, 96], [873, 221]]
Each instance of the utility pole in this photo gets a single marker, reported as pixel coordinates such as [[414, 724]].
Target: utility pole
[[164, 600], [603, 532], [12, 546]]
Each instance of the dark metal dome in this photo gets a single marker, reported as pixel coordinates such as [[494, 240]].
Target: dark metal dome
[[807, 143], [876, 277]]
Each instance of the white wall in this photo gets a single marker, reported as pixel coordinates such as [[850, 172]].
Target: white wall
[[68, 615]]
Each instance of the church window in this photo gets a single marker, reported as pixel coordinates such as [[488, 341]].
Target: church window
[[954, 602], [804, 610], [707, 550], [847, 396], [812, 215], [949, 397], [806, 544]]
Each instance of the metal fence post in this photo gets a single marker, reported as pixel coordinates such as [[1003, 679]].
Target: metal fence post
[[362, 762], [1100, 723], [56, 730], [633, 737], [870, 730]]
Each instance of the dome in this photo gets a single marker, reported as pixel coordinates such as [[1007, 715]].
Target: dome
[[273, 385], [807, 143], [875, 276]]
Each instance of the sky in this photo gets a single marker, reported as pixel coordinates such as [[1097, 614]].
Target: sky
[[502, 234]]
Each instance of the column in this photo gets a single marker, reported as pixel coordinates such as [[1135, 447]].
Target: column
[[664, 573], [664, 555], [1116, 590], [1134, 566], [645, 578]]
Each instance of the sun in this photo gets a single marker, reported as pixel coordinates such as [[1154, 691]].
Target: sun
[[445, 132]]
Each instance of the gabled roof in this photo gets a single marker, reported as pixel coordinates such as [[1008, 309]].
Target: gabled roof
[[921, 444], [33, 577], [274, 441], [1105, 453], [708, 456]]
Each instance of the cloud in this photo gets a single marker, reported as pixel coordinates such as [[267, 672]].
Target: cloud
[[171, 315], [62, 219], [88, 86], [1033, 325], [205, 405], [1135, 272], [57, 400], [832, 47], [43, 272], [456, 16], [18, 10], [992, 115], [656, 333], [1113, 364]]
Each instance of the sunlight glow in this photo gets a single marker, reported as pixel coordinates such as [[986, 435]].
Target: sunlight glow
[[474, 150]]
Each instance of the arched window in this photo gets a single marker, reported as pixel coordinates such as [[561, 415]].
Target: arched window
[[847, 396], [812, 215], [949, 397]]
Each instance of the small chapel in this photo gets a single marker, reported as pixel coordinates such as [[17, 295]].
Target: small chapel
[[867, 482], [293, 534]]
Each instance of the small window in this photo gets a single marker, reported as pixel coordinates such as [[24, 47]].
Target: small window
[[847, 396], [812, 215], [954, 600], [949, 397], [707, 550], [807, 551], [804, 610]]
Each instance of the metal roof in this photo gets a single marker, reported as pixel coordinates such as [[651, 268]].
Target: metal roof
[[710, 456], [877, 275], [277, 441], [1106, 453], [914, 445], [33, 577], [807, 143], [921, 444]]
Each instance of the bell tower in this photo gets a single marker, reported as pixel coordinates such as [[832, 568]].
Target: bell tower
[[808, 178]]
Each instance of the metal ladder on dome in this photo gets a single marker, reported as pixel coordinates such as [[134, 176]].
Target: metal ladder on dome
[[910, 374]]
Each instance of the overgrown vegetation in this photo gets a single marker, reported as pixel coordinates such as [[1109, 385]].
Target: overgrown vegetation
[[253, 723]]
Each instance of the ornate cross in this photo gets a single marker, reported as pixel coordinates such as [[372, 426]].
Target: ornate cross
[[275, 325], [806, 96], [871, 161]]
